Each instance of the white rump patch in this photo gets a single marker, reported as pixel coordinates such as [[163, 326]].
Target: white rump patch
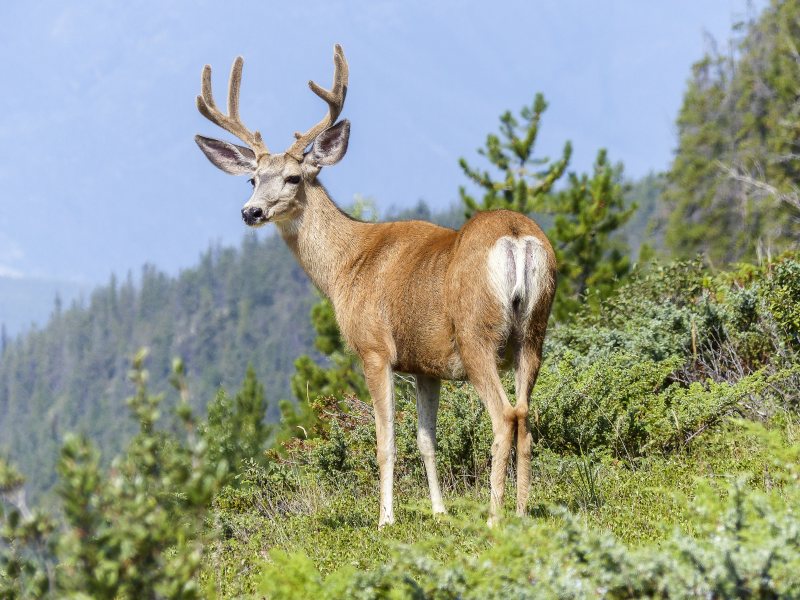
[[517, 268]]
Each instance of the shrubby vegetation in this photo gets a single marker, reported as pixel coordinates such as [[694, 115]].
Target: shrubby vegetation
[[666, 464]]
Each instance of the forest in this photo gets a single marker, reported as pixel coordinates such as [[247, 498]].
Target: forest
[[211, 435]]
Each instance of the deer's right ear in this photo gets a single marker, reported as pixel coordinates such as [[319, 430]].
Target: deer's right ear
[[330, 146], [233, 159]]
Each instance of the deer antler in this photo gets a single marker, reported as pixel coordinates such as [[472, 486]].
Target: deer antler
[[231, 122], [335, 99]]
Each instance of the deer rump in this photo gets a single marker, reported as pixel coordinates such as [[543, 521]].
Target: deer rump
[[517, 269]]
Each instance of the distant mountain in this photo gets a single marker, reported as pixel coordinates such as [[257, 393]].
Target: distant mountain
[[237, 306], [28, 301]]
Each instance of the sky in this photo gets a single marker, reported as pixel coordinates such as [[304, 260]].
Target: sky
[[99, 172]]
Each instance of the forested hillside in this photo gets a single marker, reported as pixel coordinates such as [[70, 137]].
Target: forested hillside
[[732, 189], [236, 307]]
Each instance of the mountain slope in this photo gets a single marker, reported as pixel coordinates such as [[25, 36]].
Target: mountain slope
[[237, 306]]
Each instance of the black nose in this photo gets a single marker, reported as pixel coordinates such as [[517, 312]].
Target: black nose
[[252, 214]]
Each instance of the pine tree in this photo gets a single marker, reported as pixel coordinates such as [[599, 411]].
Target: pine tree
[[134, 530], [236, 429], [587, 213], [525, 181], [733, 186]]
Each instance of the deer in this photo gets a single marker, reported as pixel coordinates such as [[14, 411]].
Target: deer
[[409, 296]]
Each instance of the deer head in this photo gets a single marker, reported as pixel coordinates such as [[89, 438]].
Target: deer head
[[278, 180]]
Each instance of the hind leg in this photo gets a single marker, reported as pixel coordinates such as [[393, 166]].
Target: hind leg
[[481, 367], [526, 370]]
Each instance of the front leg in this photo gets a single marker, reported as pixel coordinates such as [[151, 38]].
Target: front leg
[[378, 375], [427, 408]]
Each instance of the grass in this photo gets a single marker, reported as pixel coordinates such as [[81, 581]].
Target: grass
[[641, 504]]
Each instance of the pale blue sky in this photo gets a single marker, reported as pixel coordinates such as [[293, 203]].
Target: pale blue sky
[[99, 172]]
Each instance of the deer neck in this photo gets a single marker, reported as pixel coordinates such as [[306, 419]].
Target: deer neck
[[322, 237]]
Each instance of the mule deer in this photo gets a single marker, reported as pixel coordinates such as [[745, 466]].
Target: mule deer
[[409, 296]]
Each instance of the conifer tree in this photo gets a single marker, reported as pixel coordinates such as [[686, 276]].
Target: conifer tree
[[525, 181], [236, 428], [587, 213], [733, 186], [584, 215]]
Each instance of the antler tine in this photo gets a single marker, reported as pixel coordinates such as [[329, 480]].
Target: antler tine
[[334, 98], [231, 122]]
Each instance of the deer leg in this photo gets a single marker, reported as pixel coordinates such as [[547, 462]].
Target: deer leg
[[526, 371], [503, 422], [427, 409], [378, 375], [482, 372]]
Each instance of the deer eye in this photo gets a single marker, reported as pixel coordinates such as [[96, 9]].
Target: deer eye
[[293, 179], [252, 181]]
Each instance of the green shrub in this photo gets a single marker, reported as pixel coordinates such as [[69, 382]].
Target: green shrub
[[722, 327], [133, 531], [781, 294]]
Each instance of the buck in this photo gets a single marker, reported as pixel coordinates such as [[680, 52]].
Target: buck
[[409, 297]]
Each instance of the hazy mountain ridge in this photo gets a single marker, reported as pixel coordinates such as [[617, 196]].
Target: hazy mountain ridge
[[237, 306]]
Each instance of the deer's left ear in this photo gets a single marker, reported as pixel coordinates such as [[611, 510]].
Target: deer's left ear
[[329, 146], [233, 159]]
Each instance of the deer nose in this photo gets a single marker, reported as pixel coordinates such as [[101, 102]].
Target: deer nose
[[252, 214]]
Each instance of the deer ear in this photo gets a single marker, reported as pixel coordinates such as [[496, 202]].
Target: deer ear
[[330, 146], [233, 159]]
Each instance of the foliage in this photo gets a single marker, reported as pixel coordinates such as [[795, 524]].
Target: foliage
[[586, 214], [637, 420], [782, 298], [723, 327], [630, 411], [235, 430], [133, 531], [750, 548], [525, 182], [732, 192], [672, 523], [24, 540], [236, 307]]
